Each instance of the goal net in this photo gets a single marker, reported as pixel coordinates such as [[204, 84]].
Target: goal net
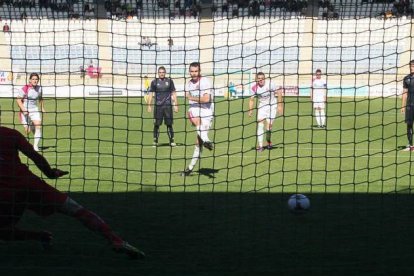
[[96, 60]]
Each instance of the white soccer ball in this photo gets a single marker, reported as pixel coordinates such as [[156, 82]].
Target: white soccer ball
[[298, 203]]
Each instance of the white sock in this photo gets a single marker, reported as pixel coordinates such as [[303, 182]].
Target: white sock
[[202, 131], [32, 128], [37, 136], [260, 131], [199, 132], [323, 117], [196, 156], [318, 117]]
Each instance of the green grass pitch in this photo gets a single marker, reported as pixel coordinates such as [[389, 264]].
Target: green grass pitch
[[230, 216]]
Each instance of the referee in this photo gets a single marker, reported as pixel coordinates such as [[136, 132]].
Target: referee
[[407, 105], [165, 101]]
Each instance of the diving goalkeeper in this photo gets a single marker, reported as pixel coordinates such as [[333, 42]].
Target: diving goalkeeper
[[20, 189]]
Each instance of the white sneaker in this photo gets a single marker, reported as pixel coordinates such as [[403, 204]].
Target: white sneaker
[[408, 148], [36, 148]]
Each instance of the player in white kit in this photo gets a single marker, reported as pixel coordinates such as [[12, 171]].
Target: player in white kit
[[318, 97], [30, 115], [270, 98], [199, 92]]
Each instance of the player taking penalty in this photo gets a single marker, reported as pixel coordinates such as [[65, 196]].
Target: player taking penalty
[[20, 189], [199, 93]]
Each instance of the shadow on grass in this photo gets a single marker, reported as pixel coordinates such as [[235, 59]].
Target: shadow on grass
[[227, 234], [208, 172]]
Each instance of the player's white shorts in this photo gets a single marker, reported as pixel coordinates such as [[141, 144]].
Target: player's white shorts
[[319, 104], [267, 112], [34, 115], [205, 114]]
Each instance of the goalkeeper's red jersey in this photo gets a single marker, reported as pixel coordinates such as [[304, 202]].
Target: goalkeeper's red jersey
[[11, 142], [19, 187]]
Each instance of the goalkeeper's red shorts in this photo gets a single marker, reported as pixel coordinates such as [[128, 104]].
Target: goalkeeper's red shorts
[[27, 191]]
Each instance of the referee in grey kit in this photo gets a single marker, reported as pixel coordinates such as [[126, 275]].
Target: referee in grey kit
[[165, 100]]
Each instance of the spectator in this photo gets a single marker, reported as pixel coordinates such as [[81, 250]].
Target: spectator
[[235, 12], [163, 3], [23, 16], [388, 14], [254, 9], [408, 10], [225, 7], [139, 4], [6, 28], [194, 10], [108, 5], [188, 3], [170, 43], [82, 71]]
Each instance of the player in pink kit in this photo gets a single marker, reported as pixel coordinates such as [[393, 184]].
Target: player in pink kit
[[30, 115], [270, 98], [20, 189], [199, 92]]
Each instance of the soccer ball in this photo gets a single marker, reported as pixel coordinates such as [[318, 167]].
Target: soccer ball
[[298, 203]]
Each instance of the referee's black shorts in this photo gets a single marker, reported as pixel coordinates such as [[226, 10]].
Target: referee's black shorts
[[163, 112], [409, 114]]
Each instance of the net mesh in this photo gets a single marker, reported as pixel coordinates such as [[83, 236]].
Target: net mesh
[[230, 216]]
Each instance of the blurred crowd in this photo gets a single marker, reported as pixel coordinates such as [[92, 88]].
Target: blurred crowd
[[117, 10], [55, 6], [255, 6]]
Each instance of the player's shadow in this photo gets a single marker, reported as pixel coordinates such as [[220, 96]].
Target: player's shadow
[[274, 147], [401, 147], [168, 145], [208, 172]]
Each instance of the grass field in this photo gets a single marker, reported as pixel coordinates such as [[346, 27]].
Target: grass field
[[230, 216]]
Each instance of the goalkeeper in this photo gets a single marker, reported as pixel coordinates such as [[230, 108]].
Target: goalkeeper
[[20, 189]]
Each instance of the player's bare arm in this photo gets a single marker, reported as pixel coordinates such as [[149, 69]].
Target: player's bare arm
[[251, 105], [280, 100], [42, 105], [206, 98], [175, 102], [150, 95], [19, 101], [404, 100], [27, 149]]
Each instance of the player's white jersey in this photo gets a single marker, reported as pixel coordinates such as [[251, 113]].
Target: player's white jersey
[[198, 89], [319, 90], [265, 94], [30, 96]]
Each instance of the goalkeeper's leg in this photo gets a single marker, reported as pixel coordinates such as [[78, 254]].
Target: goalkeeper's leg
[[93, 222], [12, 233]]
